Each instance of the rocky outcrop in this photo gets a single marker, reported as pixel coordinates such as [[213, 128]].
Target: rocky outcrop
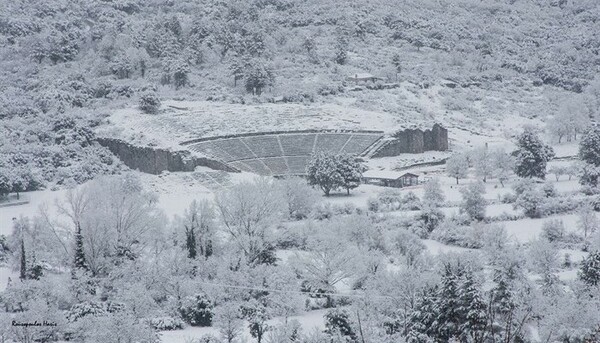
[[415, 141], [155, 160]]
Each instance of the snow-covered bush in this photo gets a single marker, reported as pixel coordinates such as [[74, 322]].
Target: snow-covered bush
[[473, 203], [408, 245], [165, 323], [452, 233], [197, 310], [410, 202], [558, 205], [553, 230], [508, 198], [299, 197], [323, 211], [549, 189], [88, 308], [431, 218], [149, 103], [373, 205], [530, 198]]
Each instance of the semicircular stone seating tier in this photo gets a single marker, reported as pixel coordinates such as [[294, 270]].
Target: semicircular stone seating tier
[[282, 153]]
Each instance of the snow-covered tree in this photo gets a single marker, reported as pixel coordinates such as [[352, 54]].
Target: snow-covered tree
[[199, 227], [298, 196], [530, 198], [543, 256], [228, 319], [258, 75], [553, 230], [558, 171], [257, 315], [457, 166], [503, 165], [473, 203], [322, 171], [328, 262], [483, 163], [588, 221], [475, 310], [589, 153], [248, 210], [450, 318], [350, 169], [590, 269], [570, 120], [433, 195], [80, 262], [149, 103], [531, 155], [337, 321]]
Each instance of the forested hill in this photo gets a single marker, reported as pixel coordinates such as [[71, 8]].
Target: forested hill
[[65, 63]]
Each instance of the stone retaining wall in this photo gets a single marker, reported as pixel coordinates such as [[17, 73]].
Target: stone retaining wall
[[155, 160]]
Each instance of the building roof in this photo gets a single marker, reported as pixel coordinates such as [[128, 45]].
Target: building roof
[[362, 76], [386, 174]]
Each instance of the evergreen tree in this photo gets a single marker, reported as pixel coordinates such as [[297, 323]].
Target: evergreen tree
[[422, 325], [23, 269], [590, 269], [397, 63], [80, 261], [474, 309], [190, 241], [531, 156], [589, 153], [449, 317], [341, 51], [337, 321]]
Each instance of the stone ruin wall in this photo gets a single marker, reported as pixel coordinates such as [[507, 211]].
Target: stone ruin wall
[[155, 160], [415, 141]]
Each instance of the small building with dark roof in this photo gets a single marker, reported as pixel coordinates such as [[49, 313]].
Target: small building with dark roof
[[390, 178]]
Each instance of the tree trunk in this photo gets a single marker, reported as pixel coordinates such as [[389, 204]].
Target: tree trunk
[[457, 181]]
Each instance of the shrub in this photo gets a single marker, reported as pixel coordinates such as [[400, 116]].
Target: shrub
[[149, 103], [549, 190], [323, 211], [553, 230], [431, 218], [451, 233], [373, 205], [390, 199], [88, 308], [165, 323], [508, 198], [197, 310], [410, 202], [558, 205], [530, 199]]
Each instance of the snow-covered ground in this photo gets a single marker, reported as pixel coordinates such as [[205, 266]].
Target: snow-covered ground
[[309, 321], [528, 229], [185, 120]]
